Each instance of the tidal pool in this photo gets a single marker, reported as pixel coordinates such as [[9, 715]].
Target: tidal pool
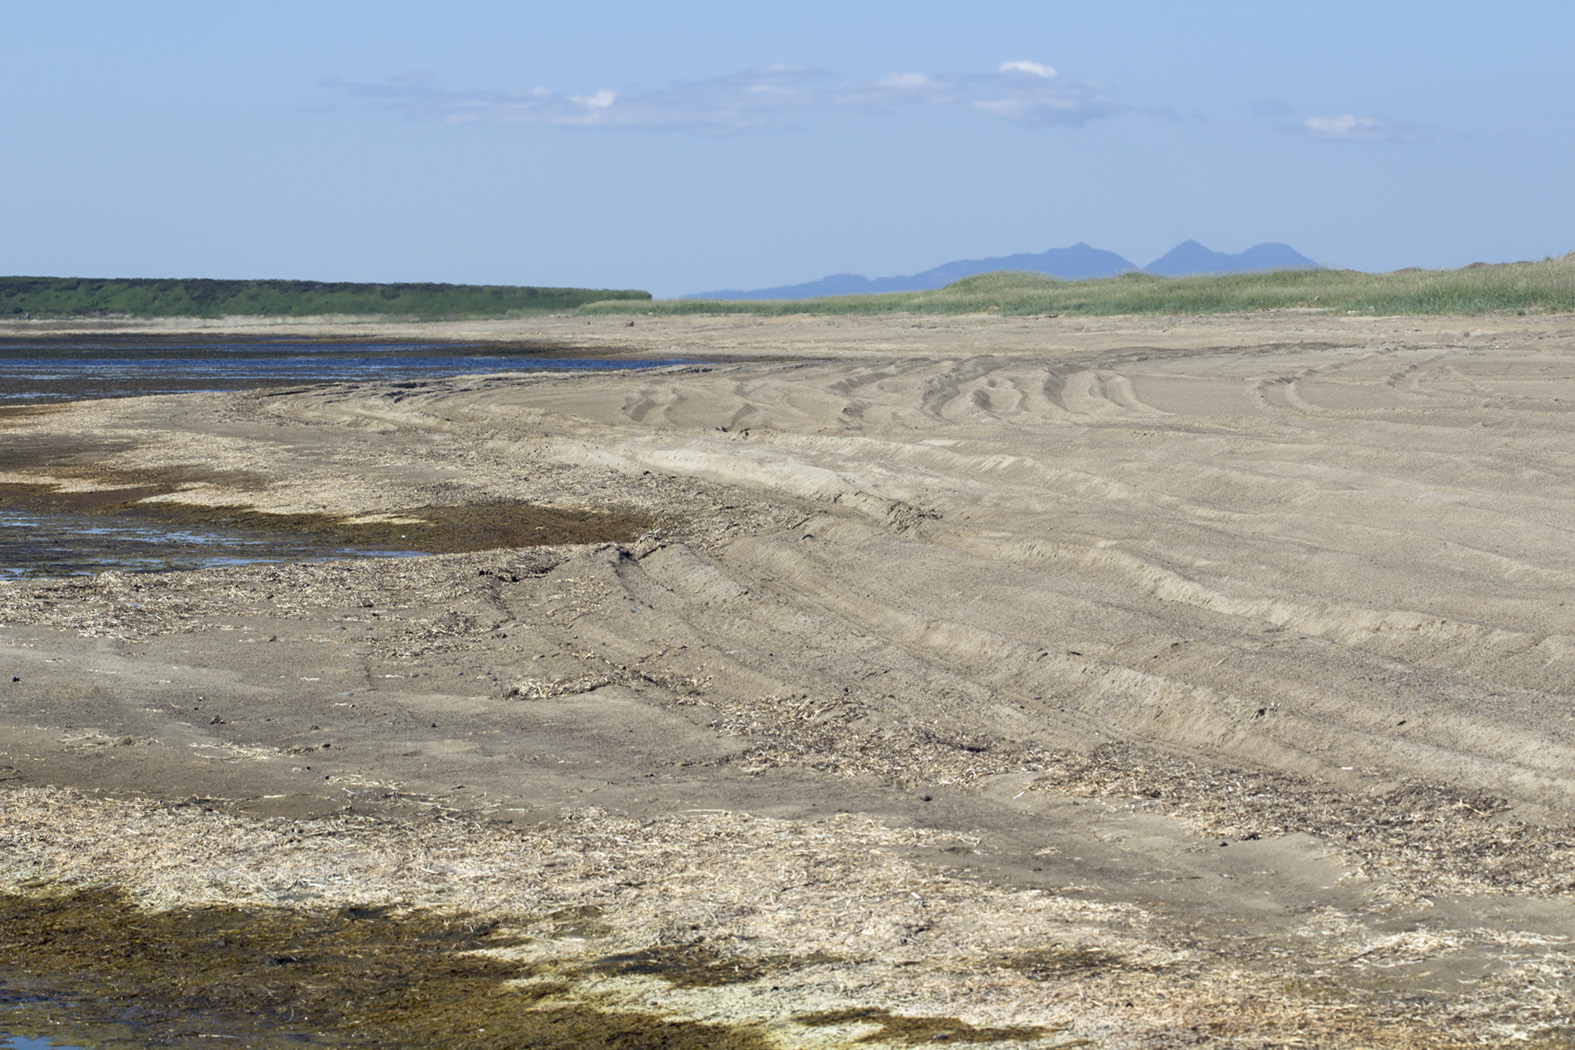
[[53, 544], [42, 369], [42, 535]]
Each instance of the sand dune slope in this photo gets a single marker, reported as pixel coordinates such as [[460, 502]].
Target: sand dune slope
[[1324, 558]]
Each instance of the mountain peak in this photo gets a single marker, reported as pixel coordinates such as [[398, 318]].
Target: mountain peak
[[1079, 262], [1190, 257], [1075, 263]]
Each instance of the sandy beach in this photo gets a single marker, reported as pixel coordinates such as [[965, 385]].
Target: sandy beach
[[1129, 683]]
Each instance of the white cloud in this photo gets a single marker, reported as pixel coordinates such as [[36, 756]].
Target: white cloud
[[1023, 92], [1028, 67], [1348, 127], [600, 100], [905, 81]]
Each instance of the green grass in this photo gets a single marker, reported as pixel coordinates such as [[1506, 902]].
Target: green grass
[[45, 297], [1528, 287]]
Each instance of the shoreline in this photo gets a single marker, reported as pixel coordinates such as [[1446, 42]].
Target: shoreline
[[838, 336]]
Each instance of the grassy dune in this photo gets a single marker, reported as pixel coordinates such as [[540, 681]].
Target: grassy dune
[[41, 297], [1527, 287]]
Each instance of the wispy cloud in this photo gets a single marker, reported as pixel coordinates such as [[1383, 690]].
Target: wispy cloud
[[1344, 127], [1348, 127], [1020, 91]]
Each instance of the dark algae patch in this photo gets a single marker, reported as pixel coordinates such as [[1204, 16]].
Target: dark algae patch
[[580, 922], [92, 966], [260, 536], [428, 529], [133, 520], [699, 965], [1046, 964], [917, 1031]]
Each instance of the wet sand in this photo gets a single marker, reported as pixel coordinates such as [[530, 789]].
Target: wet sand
[[1145, 682]]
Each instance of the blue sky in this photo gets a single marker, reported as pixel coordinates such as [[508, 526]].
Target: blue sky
[[681, 147]]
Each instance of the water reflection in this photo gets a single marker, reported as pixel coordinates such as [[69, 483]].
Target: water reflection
[[41, 370], [37, 545], [38, 370], [18, 1042]]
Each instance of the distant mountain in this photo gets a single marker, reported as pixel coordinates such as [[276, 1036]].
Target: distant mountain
[[1074, 263], [1190, 257]]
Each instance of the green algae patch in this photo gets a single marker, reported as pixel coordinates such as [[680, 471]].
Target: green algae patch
[[90, 966], [914, 1031]]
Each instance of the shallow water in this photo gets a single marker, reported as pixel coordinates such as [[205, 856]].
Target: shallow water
[[17, 1042], [43, 370], [42, 544]]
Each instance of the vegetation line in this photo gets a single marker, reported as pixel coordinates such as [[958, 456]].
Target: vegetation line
[[47, 297], [1524, 287], [1528, 287]]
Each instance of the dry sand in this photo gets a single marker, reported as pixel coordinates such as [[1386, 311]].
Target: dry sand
[[1228, 658]]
